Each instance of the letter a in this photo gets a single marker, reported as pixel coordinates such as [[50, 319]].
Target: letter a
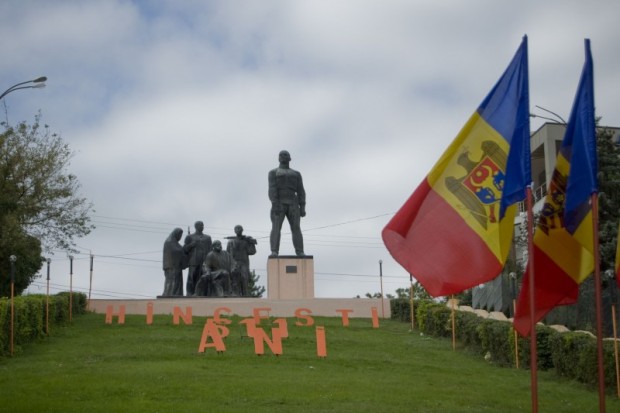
[[217, 334]]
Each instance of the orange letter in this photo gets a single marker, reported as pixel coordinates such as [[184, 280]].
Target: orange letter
[[299, 313], [187, 316], [110, 313], [375, 317], [257, 313], [261, 337], [321, 344], [250, 326], [217, 318], [217, 333], [282, 326], [345, 316], [149, 313]]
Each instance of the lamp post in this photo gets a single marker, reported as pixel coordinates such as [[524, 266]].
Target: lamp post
[[47, 299], [411, 301], [70, 288], [90, 285], [12, 258], [37, 83], [381, 279]]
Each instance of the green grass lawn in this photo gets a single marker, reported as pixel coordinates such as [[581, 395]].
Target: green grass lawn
[[95, 367]]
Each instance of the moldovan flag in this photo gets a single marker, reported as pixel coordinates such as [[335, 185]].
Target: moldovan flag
[[563, 240], [455, 230]]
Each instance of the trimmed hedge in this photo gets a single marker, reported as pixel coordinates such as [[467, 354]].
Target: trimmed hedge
[[571, 355], [574, 356], [29, 317]]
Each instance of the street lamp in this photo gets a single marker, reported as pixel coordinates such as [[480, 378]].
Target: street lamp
[[381, 280], [38, 83], [70, 288], [47, 299]]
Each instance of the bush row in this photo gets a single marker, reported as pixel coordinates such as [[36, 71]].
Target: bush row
[[29, 314], [572, 355]]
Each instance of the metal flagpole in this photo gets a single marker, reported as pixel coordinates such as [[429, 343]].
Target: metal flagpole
[[532, 275], [513, 292], [599, 305], [514, 309], [453, 325], [614, 299], [613, 318]]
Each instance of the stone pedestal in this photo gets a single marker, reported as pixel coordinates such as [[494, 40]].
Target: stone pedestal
[[290, 277]]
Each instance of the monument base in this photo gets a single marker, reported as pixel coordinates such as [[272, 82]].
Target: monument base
[[290, 277]]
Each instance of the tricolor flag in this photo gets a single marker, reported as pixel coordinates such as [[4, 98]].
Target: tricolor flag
[[455, 230], [563, 240]]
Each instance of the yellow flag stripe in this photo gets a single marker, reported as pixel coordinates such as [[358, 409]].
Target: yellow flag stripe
[[466, 153]]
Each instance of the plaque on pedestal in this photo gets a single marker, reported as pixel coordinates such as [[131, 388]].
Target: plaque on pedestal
[[290, 277]]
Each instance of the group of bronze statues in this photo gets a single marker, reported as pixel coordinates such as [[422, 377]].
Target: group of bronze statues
[[214, 272]]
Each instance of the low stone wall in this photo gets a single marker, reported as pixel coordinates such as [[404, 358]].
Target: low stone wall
[[244, 307]]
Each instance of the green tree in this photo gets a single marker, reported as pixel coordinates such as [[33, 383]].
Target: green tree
[[40, 206], [419, 292], [609, 196], [255, 289], [27, 250], [582, 314]]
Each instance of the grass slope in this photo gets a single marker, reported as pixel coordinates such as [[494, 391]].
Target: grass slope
[[94, 367]]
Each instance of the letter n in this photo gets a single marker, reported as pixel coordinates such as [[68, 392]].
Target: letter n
[[261, 337], [178, 313]]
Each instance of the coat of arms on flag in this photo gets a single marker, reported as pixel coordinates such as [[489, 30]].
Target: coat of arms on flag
[[480, 189]]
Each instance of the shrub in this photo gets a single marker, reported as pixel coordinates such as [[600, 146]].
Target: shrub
[[572, 355], [575, 357], [29, 315]]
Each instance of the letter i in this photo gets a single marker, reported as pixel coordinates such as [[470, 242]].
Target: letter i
[[149, 314]]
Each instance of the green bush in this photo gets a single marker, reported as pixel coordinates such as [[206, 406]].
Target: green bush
[[29, 316], [466, 326], [575, 357], [543, 348], [572, 355], [495, 338], [434, 318], [401, 309]]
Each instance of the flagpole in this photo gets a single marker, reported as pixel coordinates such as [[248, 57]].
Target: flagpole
[[533, 344], [514, 310], [599, 305], [411, 301], [453, 325], [513, 292], [613, 319]]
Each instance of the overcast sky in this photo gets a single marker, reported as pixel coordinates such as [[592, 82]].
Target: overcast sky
[[176, 111]]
